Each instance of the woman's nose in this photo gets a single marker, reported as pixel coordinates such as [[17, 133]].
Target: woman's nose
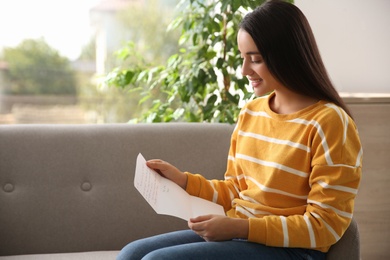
[[245, 69]]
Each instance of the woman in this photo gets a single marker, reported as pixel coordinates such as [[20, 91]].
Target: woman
[[294, 164]]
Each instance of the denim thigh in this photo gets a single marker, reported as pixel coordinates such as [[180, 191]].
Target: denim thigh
[[188, 245]]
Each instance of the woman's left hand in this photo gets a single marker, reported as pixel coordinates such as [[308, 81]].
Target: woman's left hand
[[219, 228]]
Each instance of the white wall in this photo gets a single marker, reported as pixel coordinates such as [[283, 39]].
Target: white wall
[[354, 39]]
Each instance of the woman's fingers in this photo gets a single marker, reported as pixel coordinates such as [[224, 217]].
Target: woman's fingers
[[168, 171]]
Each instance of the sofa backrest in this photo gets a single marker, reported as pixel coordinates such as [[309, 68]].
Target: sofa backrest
[[69, 188]]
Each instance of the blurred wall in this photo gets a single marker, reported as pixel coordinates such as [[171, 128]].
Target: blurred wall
[[354, 40]]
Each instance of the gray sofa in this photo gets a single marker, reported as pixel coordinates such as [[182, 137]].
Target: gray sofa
[[66, 191]]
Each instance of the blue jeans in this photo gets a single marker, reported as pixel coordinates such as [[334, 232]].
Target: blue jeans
[[188, 245]]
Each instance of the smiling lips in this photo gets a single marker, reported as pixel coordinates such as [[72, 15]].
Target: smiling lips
[[255, 82]]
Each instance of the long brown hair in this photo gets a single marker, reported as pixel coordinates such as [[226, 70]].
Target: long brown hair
[[286, 42]]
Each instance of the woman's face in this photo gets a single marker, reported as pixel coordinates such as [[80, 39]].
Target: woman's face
[[253, 66]]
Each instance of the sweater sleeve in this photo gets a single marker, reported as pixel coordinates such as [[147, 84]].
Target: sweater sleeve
[[218, 191], [224, 191], [336, 161]]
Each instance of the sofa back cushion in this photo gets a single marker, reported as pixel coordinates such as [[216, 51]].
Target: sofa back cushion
[[69, 188]]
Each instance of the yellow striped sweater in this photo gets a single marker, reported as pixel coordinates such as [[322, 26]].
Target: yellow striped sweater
[[295, 176]]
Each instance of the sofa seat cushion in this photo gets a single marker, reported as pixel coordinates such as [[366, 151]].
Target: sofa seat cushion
[[96, 255]]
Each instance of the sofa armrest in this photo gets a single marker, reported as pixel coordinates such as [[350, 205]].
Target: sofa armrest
[[348, 247]]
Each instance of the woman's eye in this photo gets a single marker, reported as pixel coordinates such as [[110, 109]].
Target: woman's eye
[[256, 59]]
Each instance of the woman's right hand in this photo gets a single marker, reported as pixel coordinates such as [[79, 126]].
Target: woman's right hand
[[168, 171]]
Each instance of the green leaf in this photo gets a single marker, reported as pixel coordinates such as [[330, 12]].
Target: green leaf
[[220, 63], [144, 99], [235, 5], [211, 100], [175, 23]]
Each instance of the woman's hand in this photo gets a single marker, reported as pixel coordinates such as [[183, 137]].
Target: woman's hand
[[219, 228], [168, 171]]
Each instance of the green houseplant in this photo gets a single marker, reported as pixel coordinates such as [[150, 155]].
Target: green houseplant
[[202, 82]]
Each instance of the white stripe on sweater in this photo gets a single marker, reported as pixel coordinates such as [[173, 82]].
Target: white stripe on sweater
[[215, 193], [326, 206], [272, 164], [328, 227], [267, 189], [358, 159], [337, 187], [320, 132], [343, 117], [311, 232], [245, 212], [231, 158], [275, 141], [255, 113], [251, 212], [285, 231]]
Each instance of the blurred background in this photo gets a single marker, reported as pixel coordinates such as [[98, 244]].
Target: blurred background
[[55, 55]]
